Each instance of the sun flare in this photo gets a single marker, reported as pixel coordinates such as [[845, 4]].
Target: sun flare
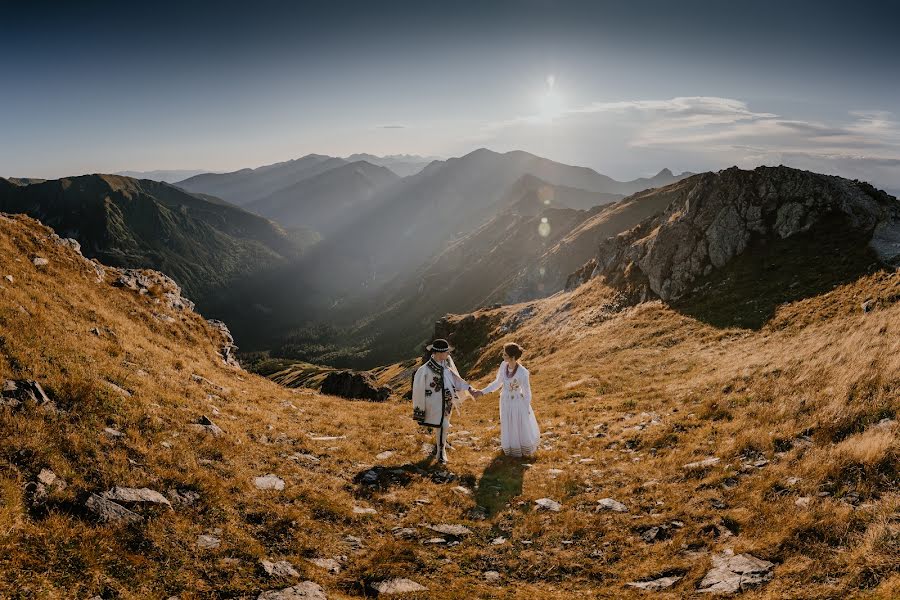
[[550, 102]]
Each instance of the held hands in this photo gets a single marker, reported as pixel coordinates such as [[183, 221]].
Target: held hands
[[477, 393]]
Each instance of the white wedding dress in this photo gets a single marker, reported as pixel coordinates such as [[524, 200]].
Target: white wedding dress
[[519, 434]]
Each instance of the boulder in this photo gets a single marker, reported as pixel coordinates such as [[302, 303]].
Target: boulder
[[227, 349], [354, 385], [269, 482], [654, 585], [281, 568], [548, 504], [610, 504], [397, 586], [108, 511], [307, 590], [136, 496], [16, 392], [451, 530], [208, 542], [734, 573], [205, 424]]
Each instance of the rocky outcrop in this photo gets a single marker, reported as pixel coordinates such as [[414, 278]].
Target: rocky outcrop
[[146, 281], [354, 385], [228, 350], [717, 216]]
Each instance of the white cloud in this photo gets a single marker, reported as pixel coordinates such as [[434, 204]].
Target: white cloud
[[707, 132]]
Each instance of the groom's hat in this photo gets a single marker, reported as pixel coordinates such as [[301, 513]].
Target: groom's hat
[[439, 345]]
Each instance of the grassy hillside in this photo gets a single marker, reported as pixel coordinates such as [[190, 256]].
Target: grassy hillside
[[801, 415]]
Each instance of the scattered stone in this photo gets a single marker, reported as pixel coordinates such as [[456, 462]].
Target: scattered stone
[[329, 564], [452, 530], [610, 504], [498, 541], [548, 504], [397, 586], [40, 261], [867, 306], [269, 482], [463, 490], [792, 481], [136, 496], [404, 533], [435, 540], [353, 541], [113, 433], [306, 590], [208, 542], [16, 392], [327, 438], [427, 448], [703, 464], [357, 510], [304, 457], [803, 501], [554, 473], [117, 389], [384, 455], [281, 568], [9, 278], [183, 497], [108, 511], [205, 424], [655, 585], [354, 385], [47, 482], [491, 576], [733, 573]]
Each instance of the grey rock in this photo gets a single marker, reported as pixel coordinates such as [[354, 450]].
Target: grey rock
[[397, 586], [108, 511], [40, 261], [136, 496], [329, 564], [655, 585], [733, 573], [306, 590], [183, 497], [492, 576], [269, 482], [208, 542], [702, 464], [206, 424], [280, 568], [452, 530], [548, 504], [227, 348], [610, 504]]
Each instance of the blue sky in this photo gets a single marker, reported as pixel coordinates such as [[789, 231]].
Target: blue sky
[[624, 88]]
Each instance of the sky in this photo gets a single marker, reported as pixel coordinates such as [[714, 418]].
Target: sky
[[626, 88]]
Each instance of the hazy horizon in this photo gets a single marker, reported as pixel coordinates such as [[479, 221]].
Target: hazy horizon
[[624, 90]]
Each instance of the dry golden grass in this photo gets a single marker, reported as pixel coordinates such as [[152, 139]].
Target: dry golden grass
[[624, 398]]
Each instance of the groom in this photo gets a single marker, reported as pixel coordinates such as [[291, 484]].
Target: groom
[[436, 389]]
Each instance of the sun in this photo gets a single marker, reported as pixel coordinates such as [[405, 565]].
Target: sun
[[550, 103]]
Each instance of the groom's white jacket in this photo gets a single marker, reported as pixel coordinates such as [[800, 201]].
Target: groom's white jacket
[[427, 393]]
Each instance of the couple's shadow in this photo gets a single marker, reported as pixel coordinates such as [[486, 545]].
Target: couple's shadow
[[500, 482]]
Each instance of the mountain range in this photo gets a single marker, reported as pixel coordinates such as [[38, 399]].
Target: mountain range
[[362, 238], [201, 241]]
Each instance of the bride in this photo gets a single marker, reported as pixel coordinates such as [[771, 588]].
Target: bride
[[519, 434]]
